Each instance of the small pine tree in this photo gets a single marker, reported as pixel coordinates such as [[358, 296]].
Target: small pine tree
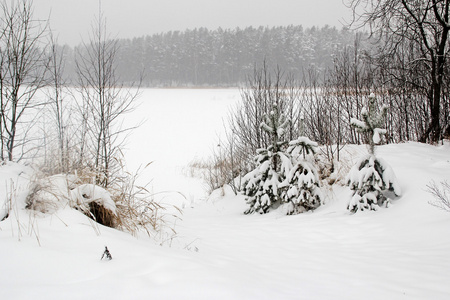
[[371, 176], [261, 184], [372, 125], [301, 186], [275, 124]]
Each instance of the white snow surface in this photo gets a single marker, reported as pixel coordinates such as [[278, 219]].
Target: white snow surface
[[377, 132], [400, 252], [358, 123]]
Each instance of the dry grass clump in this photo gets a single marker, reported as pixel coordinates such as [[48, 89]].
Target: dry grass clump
[[216, 172], [47, 194], [331, 169], [37, 203], [102, 215], [135, 209]]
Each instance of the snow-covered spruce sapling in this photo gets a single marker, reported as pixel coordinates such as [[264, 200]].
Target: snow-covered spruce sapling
[[300, 188], [261, 184], [372, 124], [371, 177]]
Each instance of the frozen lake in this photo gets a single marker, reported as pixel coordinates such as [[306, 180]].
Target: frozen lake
[[180, 125]]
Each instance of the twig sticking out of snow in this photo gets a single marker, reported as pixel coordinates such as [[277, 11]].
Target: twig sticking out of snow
[[106, 254], [441, 196]]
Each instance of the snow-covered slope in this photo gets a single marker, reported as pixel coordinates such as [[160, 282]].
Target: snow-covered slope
[[396, 253]]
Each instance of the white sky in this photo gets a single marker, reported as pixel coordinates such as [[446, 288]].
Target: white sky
[[71, 19]]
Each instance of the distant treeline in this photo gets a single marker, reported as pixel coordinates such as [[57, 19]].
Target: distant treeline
[[224, 57]]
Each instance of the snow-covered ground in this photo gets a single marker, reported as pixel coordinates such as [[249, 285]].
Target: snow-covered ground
[[180, 126], [400, 252]]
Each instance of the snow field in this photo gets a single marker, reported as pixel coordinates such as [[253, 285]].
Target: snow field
[[219, 253], [180, 125]]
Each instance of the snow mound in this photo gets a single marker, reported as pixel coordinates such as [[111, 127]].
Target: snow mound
[[87, 193], [52, 193], [14, 180]]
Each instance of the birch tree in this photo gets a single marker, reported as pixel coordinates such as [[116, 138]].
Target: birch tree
[[22, 73], [104, 100]]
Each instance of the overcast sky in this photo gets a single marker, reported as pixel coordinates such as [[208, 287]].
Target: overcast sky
[[71, 19]]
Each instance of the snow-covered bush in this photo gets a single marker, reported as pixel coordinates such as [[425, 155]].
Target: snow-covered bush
[[49, 194], [125, 205], [370, 177], [88, 193], [301, 189], [96, 202]]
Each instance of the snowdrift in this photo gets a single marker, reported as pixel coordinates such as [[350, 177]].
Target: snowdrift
[[400, 252]]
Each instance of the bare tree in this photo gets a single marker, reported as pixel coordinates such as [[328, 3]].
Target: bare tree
[[104, 101], [264, 90], [425, 24], [59, 107], [22, 71]]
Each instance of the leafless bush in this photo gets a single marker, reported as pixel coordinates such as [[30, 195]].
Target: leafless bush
[[441, 195], [263, 90], [104, 102], [220, 169]]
